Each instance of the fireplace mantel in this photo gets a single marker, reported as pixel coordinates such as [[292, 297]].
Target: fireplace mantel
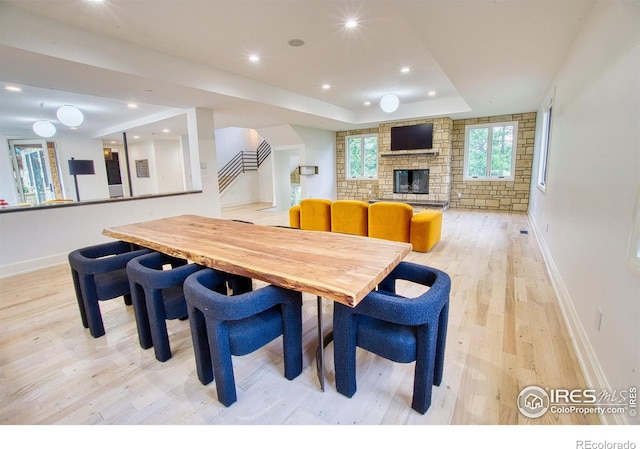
[[409, 153]]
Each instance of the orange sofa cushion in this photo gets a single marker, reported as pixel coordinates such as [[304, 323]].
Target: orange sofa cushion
[[390, 221], [315, 214], [426, 230], [294, 217], [350, 217]]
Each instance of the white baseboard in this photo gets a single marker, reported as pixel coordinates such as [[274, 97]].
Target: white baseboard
[[591, 369], [28, 266]]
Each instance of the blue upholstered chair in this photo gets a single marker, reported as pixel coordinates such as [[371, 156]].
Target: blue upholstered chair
[[156, 281], [400, 329], [99, 273], [222, 326]]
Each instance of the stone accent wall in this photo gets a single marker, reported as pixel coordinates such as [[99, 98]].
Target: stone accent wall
[[295, 176], [55, 172], [494, 195], [438, 163], [445, 164], [349, 189]]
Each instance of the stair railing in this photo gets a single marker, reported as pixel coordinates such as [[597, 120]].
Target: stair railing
[[242, 162]]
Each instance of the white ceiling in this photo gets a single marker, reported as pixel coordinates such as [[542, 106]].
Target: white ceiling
[[480, 57]]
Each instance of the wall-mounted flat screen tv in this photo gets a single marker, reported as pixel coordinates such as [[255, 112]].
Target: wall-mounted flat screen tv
[[411, 181], [412, 137], [81, 167]]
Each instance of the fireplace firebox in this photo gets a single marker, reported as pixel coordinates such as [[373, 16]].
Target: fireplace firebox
[[411, 181]]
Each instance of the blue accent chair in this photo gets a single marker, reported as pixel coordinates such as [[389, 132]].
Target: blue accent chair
[[222, 326], [99, 274], [158, 296], [397, 328]]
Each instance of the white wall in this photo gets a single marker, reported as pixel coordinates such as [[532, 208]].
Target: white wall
[[141, 151], [169, 166], [230, 141], [36, 238], [584, 219], [244, 189], [319, 149], [90, 187]]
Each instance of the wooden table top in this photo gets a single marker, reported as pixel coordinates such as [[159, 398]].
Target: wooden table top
[[344, 268]]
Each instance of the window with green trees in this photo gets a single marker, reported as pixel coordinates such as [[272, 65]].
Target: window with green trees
[[490, 151], [362, 156]]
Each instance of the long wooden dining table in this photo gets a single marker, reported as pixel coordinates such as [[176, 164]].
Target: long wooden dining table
[[339, 267]]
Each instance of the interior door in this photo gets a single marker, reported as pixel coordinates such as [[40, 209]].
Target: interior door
[[32, 169]]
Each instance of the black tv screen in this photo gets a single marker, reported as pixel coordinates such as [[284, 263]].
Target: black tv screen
[[81, 167], [412, 137]]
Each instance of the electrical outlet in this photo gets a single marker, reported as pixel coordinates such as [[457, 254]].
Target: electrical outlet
[[599, 315]]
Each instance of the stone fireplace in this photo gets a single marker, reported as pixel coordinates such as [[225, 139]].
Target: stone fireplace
[[437, 160]]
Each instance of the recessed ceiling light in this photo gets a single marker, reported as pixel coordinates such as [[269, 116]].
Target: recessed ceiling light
[[165, 130], [136, 137], [432, 93], [296, 42], [351, 23], [254, 58], [132, 106], [112, 142], [405, 70], [367, 103], [13, 89], [326, 86]]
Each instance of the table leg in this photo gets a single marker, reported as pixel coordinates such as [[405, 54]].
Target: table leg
[[320, 350]]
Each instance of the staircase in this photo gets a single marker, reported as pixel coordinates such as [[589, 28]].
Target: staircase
[[244, 161]]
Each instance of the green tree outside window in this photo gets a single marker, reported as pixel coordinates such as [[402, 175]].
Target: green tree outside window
[[490, 150], [362, 156]]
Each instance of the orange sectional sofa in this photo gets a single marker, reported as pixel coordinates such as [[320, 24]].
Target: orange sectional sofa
[[383, 220]]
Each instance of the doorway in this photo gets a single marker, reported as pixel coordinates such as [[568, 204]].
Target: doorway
[[114, 176], [35, 170]]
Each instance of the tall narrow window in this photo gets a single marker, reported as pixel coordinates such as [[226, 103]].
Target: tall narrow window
[[545, 138], [362, 156], [634, 242], [490, 151]]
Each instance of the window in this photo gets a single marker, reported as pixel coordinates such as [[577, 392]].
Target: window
[[490, 151], [545, 138], [634, 242], [362, 156]]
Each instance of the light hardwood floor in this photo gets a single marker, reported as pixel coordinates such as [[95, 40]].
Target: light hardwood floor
[[505, 332]]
